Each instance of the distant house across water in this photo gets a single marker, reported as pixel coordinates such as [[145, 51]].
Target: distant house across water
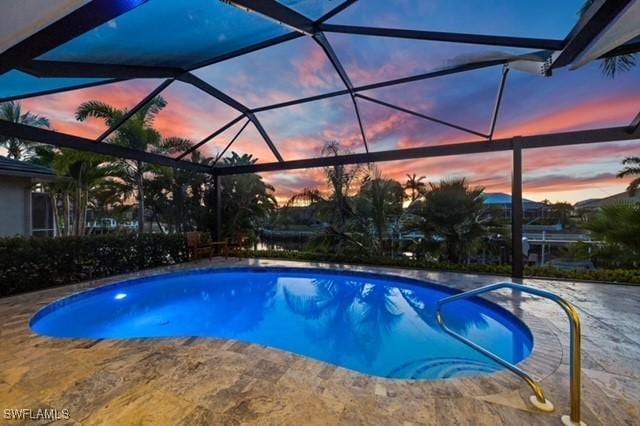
[[503, 201], [22, 211], [596, 203]]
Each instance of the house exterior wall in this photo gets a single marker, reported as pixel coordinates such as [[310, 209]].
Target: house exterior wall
[[15, 206]]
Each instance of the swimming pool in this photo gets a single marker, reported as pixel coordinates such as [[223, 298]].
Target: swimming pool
[[379, 325]]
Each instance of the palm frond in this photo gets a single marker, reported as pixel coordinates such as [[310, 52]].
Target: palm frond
[[34, 120], [307, 196], [172, 145], [633, 187], [615, 64], [148, 112], [631, 161], [98, 109]]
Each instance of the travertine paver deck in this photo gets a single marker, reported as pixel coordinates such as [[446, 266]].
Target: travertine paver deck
[[211, 381]]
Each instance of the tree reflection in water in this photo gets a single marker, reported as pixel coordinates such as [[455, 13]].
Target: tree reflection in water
[[352, 317], [459, 318], [239, 308]]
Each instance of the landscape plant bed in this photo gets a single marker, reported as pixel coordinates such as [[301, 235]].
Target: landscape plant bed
[[28, 264], [626, 276]]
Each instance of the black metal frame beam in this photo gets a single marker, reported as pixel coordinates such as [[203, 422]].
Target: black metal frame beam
[[496, 108], [278, 12], [134, 110], [248, 49], [582, 137], [517, 261], [610, 134], [218, 94], [336, 10], [350, 90], [337, 66], [360, 125], [63, 140], [634, 125], [301, 100], [487, 40], [59, 90], [595, 20], [432, 74], [233, 139], [424, 116], [217, 204], [126, 72], [388, 83], [324, 44], [42, 68], [81, 20], [223, 97], [265, 136], [211, 136]]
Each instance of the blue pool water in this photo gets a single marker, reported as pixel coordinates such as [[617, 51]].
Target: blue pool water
[[375, 324]]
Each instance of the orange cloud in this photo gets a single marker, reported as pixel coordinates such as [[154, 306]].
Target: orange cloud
[[60, 108], [588, 115]]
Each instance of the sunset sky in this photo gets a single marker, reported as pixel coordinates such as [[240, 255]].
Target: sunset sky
[[569, 100]]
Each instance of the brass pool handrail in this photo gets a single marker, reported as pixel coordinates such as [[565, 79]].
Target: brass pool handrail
[[574, 320]]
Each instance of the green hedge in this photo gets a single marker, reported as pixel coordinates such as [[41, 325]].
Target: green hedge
[[630, 276], [608, 275], [28, 264]]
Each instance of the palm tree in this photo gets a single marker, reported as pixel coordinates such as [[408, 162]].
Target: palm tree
[[340, 179], [613, 64], [177, 197], [378, 203], [45, 155], [336, 207], [415, 185], [632, 168], [136, 133], [247, 199], [12, 111], [453, 213], [86, 171], [82, 172]]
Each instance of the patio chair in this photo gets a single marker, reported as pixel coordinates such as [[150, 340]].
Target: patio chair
[[240, 241], [199, 247]]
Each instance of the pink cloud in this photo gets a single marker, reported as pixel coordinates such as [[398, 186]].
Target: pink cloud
[[589, 114], [60, 108], [314, 71]]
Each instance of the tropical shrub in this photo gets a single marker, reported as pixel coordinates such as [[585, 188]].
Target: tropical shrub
[[618, 225], [453, 213], [247, 200], [28, 264]]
